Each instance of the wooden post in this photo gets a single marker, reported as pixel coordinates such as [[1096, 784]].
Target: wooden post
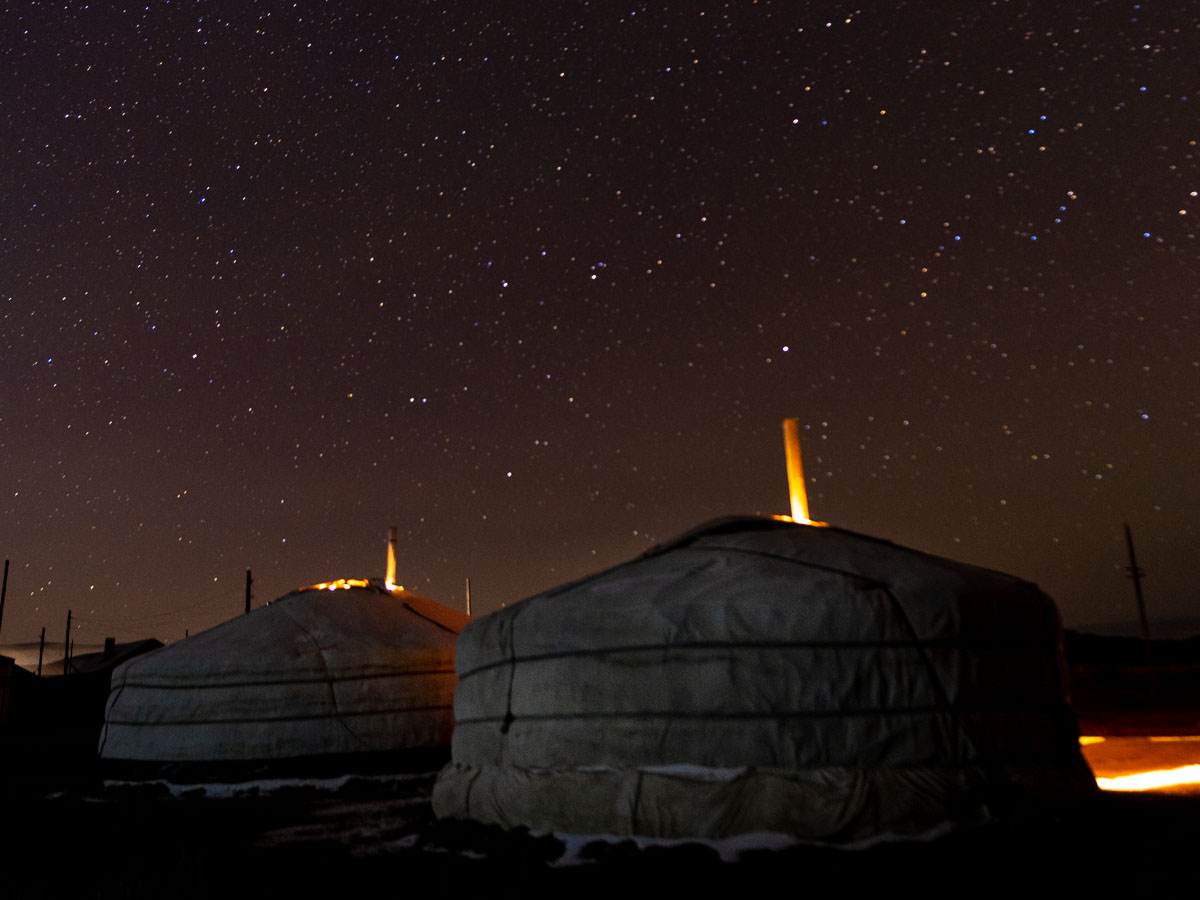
[[41, 650], [468, 595], [3, 592], [1136, 572], [67, 645], [249, 595]]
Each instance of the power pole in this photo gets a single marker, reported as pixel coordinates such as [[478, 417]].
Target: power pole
[[468, 595], [249, 581], [3, 591], [1136, 572], [67, 645]]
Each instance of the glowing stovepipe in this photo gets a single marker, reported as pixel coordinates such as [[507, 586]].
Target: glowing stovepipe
[[390, 578], [795, 471]]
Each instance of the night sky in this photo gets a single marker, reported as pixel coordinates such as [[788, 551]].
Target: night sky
[[537, 282]]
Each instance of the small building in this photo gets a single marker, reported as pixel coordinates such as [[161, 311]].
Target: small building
[[16, 686], [49, 727]]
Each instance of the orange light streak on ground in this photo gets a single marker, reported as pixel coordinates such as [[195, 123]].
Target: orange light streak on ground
[[1149, 781], [1143, 763]]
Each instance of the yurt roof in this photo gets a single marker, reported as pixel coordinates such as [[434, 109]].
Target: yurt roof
[[349, 667], [930, 590], [327, 629]]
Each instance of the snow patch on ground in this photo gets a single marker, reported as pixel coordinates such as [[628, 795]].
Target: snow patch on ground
[[730, 849], [265, 786]]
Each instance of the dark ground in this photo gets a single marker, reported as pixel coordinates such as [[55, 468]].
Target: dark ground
[[374, 835], [65, 834]]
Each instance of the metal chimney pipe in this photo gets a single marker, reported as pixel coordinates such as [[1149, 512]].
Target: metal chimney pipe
[[390, 580], [795, 469]]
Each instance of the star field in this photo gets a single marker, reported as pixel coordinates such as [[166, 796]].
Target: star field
[[537, 283]]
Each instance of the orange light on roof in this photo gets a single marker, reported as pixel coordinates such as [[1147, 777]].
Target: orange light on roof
[[342, 584]]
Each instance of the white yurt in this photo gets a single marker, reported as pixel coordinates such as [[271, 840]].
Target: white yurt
[[757, 675], [350, 667]]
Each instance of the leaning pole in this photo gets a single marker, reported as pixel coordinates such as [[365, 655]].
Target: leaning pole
[[3, 591]]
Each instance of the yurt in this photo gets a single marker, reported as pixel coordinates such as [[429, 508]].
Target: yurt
[[757, 675], [345, 668]]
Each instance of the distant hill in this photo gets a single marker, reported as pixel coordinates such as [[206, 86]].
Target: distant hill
[[26, 654]]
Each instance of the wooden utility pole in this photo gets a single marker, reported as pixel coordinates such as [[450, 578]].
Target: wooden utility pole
[[3, 591], [249, 582], [389, 579], [67, 645], [1136, 572], [468, 595]]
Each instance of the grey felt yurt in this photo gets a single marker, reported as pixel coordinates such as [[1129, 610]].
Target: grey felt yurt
[[763, 676], [346, 668]]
